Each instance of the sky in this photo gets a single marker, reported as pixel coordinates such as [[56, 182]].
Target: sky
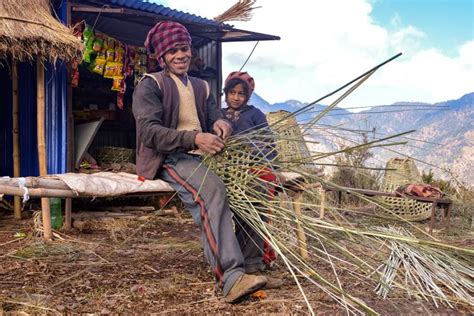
[[326, 43]]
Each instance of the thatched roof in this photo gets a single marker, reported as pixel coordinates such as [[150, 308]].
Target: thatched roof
[[28, 29]]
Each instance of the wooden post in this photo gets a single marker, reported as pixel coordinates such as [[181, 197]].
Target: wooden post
[[447, 219], [70, 133], [433, 213], [303, 245], [40, 109], [322, 210], [70, 149], [16, 135]]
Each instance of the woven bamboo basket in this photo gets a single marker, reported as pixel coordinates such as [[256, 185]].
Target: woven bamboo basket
[[109, 155], [405, 173], [234, 169], [295, 148]]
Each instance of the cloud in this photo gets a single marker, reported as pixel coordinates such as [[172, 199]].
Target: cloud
[[326, 43]]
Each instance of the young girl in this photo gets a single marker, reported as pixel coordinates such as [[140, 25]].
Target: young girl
[[245, 118], [238, 88]]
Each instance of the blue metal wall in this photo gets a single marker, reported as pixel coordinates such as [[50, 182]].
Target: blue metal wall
[[56, 117], [56, 109]]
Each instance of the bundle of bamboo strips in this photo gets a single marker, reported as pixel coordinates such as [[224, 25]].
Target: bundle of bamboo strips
[[334, 241]]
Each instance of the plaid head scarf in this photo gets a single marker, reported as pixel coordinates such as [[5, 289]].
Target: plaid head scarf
[[243, 76], [164, 36]]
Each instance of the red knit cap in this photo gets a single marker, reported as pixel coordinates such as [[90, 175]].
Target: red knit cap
[[243, 76], [166, 35]]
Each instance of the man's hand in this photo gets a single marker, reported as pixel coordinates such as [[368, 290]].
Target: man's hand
[[222, 129], [209, 143]]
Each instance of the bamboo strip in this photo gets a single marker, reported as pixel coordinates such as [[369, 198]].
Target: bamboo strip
[[323, 202], [303, 245]]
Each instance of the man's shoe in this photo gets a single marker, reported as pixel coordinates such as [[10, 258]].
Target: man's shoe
[[273, 283], [246, 284]]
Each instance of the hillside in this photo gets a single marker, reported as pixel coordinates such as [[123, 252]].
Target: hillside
[[444, 134]]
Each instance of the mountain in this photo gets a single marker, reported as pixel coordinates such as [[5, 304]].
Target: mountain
[[444, 135]]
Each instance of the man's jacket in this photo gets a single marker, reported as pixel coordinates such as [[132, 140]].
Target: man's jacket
[[156, 110]]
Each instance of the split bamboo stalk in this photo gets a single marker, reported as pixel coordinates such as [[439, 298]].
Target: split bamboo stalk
[[16, 136], [37, 192], [303, 245], [70, 132], [43, 170], [323, 202], [34, 182]]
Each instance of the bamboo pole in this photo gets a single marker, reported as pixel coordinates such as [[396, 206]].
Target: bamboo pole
[[40, 106], [16, 136], [44, 193], [302, 243], [34, 182], [70, 132], [322, 193]]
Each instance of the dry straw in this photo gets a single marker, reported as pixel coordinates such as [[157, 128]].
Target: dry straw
[[28, 29], [240, 11]]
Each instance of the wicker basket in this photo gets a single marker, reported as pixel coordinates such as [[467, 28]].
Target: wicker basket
[[287, 126], [108, 155], [405, 173]]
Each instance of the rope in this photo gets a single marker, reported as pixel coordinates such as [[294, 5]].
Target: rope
[[245, 63]]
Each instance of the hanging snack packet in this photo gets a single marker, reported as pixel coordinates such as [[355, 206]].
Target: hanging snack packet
[[113, 70], [120, 100], [88, 38], [117, 84], [102, 54], [119, 53], [97, 46], [75, 78], [109, 70], [110, 54], [99, 66], [75, 72], [129, 62]]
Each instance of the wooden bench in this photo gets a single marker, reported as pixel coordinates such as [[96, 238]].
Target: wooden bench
[[444, 203], [51, 186]]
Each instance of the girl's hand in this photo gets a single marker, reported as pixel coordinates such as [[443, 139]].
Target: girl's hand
[[222, 129]]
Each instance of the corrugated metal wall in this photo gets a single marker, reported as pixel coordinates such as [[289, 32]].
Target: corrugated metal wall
[[209, 55], [56, 109], [56, 117]]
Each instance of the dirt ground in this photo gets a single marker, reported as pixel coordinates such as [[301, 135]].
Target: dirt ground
[[145, 266]]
